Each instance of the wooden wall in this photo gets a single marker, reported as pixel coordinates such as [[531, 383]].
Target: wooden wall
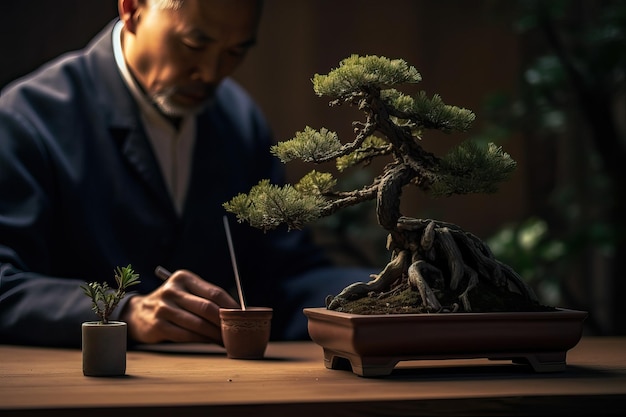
[[463, 51]]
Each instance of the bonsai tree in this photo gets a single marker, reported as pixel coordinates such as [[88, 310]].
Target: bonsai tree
[[104, 298], [434, 266]]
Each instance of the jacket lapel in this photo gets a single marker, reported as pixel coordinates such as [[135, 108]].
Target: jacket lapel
[[123, 116], [137, 151]]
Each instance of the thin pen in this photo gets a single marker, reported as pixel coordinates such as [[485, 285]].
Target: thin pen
[[162, 273]]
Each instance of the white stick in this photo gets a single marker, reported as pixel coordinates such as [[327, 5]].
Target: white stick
[[234, 261]]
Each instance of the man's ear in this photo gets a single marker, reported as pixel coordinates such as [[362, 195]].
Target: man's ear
[[129, 13]]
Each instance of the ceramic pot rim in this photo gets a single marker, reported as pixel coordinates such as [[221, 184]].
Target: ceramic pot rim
[[97, 323]]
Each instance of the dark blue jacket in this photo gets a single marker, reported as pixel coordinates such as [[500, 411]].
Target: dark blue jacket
[[81, 193]]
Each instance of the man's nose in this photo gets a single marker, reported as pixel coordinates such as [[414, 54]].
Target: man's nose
[[206, 71]]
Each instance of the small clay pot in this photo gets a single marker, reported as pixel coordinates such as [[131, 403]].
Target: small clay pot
[[246, 332]]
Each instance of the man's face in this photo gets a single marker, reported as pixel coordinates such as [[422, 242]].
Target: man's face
[[180, 56]]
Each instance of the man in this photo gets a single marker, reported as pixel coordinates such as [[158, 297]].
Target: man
[[123, 153]]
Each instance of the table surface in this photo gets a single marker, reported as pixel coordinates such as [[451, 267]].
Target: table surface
[[198, 379]]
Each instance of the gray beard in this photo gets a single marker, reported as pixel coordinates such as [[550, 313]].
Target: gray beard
[[163, 102]]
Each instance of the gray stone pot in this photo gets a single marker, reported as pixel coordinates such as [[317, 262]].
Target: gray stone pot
[[104, 348]]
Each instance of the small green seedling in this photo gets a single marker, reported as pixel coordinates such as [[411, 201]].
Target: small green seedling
[[104, 298]]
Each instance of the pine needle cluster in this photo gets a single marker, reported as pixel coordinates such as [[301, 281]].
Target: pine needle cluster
[[267, 206], [468, 168], [357, 72]]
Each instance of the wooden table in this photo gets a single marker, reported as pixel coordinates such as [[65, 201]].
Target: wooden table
[[194, 380]]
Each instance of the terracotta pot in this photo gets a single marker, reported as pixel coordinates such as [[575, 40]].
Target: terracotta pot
[[104, 348], [246, 333], [374, 344]]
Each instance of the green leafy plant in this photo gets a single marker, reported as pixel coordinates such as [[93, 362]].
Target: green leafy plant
[[435, 266], [104, 298]]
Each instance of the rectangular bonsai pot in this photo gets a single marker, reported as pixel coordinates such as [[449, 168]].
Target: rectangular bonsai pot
[[374, 344]]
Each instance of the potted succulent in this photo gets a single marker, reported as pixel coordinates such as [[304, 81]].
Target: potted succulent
[[441, 281], [104, 341]]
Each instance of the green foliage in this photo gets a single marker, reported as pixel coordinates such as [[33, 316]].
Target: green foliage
[[431, 113], [398, 100], [438, 115], [530, 249], [392, 127], [316, 183], [357, 72], [104, 298], [308, 145], [470, 168], [371, 147], [267, 206]]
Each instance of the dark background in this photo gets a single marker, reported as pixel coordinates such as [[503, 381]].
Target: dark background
[[301, 38]]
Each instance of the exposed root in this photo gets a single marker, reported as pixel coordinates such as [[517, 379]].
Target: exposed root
[[472, 283], [417, 279], [452, 254], [380, 283], [447, 267]]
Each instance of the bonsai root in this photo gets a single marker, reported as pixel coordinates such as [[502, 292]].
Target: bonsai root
[[446, 269], [418, 272], [379, 283]]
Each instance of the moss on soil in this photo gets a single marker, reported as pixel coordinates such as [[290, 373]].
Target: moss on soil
[[404, 300]]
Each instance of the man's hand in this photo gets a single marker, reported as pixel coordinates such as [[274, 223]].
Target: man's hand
[[184, 309]]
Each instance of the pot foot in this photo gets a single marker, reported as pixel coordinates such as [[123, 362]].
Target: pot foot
[[361, 366], [540, 362], [544, 361]]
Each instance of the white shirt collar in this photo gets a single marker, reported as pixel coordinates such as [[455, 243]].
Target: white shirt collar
[[173, 148]]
